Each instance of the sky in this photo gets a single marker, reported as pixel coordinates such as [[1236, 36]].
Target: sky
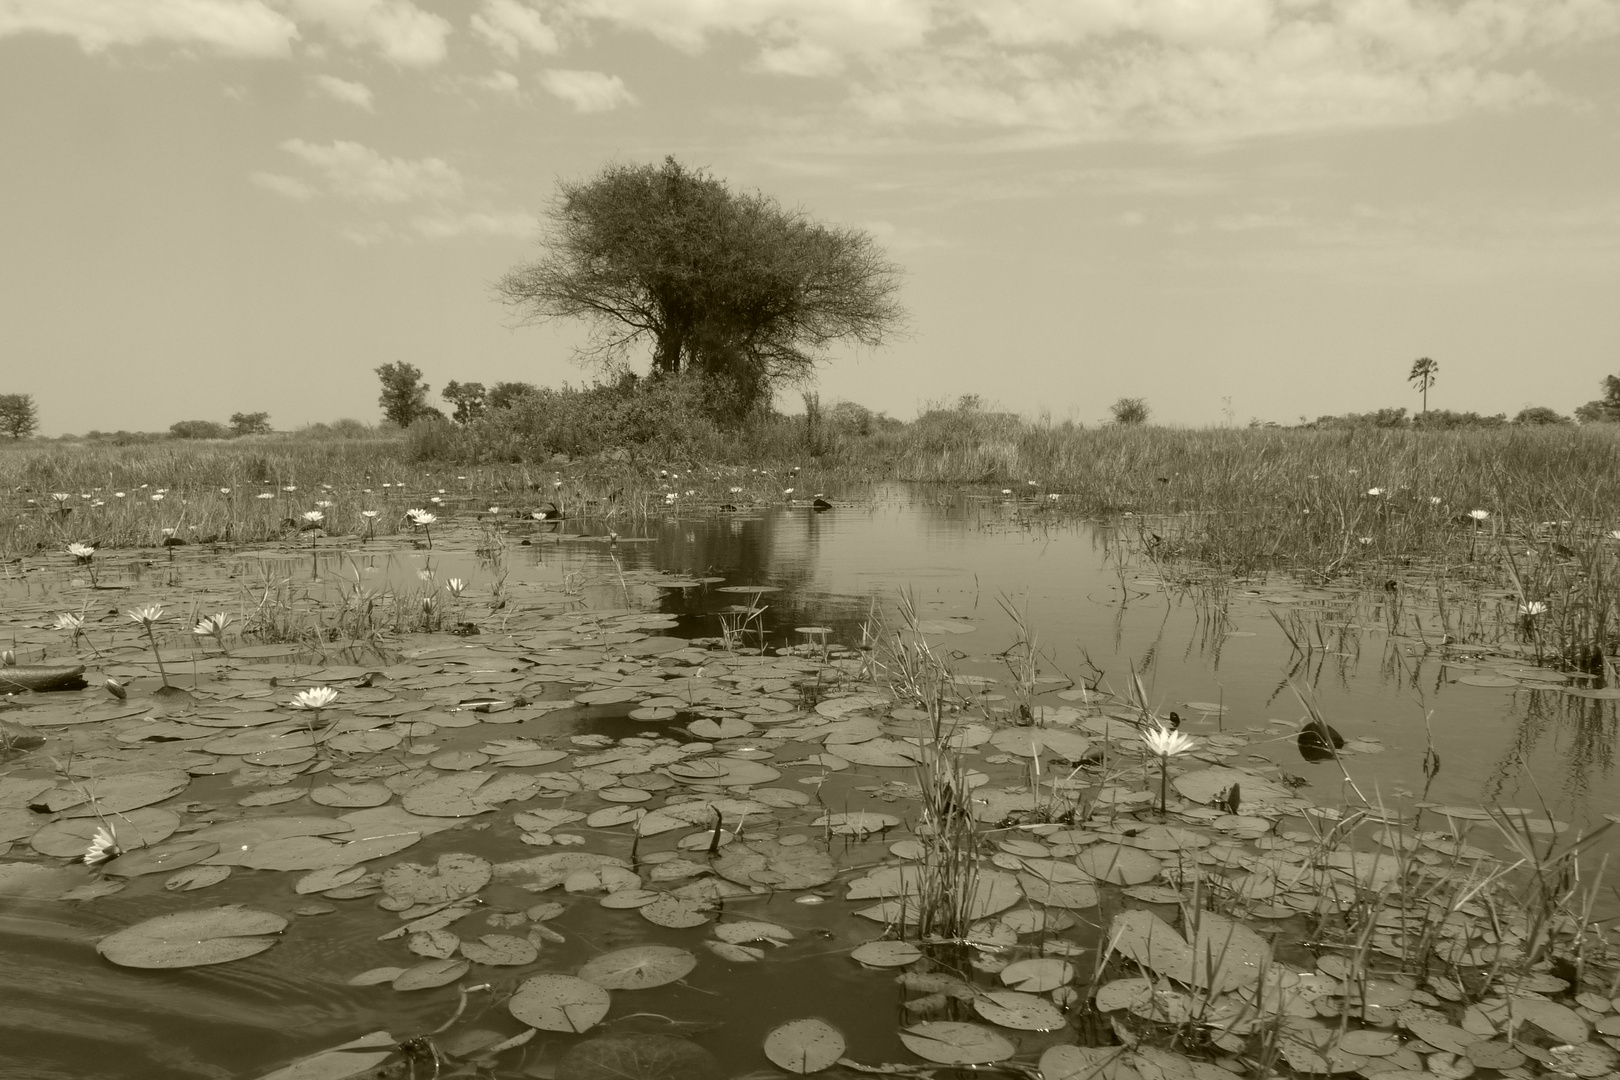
[[1235, 209]]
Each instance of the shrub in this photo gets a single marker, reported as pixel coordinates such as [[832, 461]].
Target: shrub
[[1130, 411], [1540, 414], [666, 417], [199, 429], [253, 423]]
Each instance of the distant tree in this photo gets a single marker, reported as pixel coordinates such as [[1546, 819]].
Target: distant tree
[[253, 423], [1606, 409], [199, 429], [1130, 411], [404, 394], [19, 415], [1535, 415], [1422, 376], [728, 285], [468, 398], [504, 395]]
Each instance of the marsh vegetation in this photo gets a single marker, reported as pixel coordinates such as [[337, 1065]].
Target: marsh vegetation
[[524, 782]]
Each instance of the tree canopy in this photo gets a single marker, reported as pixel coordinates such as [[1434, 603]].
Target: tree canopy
[[726, 284], [19, 415], [1605, 409]]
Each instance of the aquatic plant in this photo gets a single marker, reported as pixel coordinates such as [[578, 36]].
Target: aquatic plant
[[424, 518], [213, 626], [313, 701], [148, 617]]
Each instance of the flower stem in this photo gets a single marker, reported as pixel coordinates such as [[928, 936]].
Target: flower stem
[[157, 655], [1164, 781]]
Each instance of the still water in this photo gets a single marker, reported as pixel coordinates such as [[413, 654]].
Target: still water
[[1094, 612]]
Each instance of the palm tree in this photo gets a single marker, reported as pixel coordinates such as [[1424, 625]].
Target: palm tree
[[1422, 376]]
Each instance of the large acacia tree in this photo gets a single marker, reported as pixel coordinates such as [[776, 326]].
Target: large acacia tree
[[726, 284]]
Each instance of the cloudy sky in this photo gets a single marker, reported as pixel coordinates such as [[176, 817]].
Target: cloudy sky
[[1233, 208]]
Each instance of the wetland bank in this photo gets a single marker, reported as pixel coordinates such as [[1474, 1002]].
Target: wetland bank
[[653, 788]]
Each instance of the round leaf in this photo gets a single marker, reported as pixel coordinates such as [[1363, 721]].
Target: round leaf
[[804, 1046], [193, 938], [637, 1057], [950, 1042], [559, 1003], [638, 968]]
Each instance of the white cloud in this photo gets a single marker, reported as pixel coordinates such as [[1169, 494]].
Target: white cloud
[[807, 58], [357, 172], [398, 29], [289, 186], [509, 26], [350, 93], [444, 226], [587, 91], [1202, 69], [503, 83], [241, 27]]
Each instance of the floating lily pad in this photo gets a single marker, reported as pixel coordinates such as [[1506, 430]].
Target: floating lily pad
[[193, 938], [773, 863], [454, 876], [805, 1046], [340, 1062], [638, 968], [554, 1002], [951, 1042], [636, 1056], [887, 954], [68, 838], [1024, 1012], [431, 973]]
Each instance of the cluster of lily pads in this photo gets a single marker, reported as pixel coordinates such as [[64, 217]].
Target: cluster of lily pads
[[1142, 901]]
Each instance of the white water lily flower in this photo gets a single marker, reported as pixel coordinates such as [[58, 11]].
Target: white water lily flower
[[103, 846], [1614, 534], [1533, 608], [147, 615], [1479, 515], [81, 551], [1375, 491], [370, 514], [266, 495], [314, 517], [421, 517], [290, 487], [69, 621], [317, 697], [157, 496], [1165, 743], [324, 504], [456, 586], [211, 625], [224, 491]]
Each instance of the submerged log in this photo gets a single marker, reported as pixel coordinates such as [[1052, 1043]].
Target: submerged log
[[41, 677]]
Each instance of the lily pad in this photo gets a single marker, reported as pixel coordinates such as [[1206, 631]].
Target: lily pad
[[193, 938], [431, 973], [68, 838], [638, 968], [951, 1042], [455, 875], [772, 863], [553, 1002], [805, 1046], [1023, 1012], [637, 1056]]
